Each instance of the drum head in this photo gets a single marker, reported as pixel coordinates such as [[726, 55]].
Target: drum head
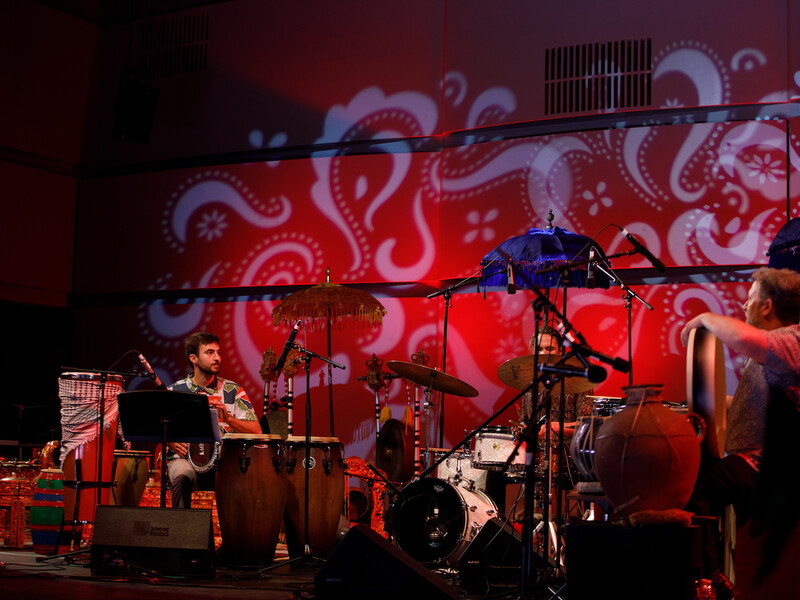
[[418, 530]]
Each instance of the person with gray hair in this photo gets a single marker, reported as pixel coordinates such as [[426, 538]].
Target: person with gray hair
[[770, 339]]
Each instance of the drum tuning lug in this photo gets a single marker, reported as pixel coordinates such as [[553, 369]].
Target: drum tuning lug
[[244, 464], [276, 464]]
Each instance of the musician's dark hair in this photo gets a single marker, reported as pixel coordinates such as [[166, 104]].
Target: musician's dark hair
[[194, 341], [547, 330], [782, 286]]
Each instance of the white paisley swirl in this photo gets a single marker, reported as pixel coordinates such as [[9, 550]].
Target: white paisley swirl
[[383, 256], [208, 192], [171, 326], [707, 80]]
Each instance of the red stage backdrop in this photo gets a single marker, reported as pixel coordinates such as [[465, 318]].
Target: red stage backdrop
[[697, 195]]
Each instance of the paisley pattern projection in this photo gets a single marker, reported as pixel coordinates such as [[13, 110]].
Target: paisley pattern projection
[[697, 195]]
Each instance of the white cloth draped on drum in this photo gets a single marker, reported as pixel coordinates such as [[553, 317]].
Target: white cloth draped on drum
[[80, 395]]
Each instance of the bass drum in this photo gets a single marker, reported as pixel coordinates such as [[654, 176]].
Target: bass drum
[[434, 521], [395, 451]]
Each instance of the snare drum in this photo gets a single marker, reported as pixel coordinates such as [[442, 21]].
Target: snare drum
[[434, 521], [459, 469], [326, 483], [605, 407], [251, 496], [492, 448]]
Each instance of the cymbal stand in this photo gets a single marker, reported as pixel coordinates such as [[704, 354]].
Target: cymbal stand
[[448, 297]]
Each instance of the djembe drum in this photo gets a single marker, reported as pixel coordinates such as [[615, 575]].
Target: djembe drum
[[83, 396]]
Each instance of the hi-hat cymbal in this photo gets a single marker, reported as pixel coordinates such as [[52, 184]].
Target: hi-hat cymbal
[[518, 373], [431, 378]]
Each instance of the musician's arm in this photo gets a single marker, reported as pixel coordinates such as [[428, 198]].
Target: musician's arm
[[240, 426], [737, 335]]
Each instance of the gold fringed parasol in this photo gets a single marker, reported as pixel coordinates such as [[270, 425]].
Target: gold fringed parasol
[[328, 304]]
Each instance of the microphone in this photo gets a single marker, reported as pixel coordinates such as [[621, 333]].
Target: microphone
[[639, 247], [287, 346], [594, 373], [590, 281], [618, 364], [149, 369], [511, 286], [434, 530]]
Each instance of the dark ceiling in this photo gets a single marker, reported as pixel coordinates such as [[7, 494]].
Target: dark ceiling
[[113, 12]]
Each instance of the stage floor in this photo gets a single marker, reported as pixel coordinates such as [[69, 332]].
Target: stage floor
[[24, 576]]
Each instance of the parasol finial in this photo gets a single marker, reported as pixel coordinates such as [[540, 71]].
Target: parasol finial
[[550, 218], [328, 275]]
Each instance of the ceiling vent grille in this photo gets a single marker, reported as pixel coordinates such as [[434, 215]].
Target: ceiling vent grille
[[173, 46], [602, 76]]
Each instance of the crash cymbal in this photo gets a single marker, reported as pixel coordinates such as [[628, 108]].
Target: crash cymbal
[[518, 373], [431, 378]]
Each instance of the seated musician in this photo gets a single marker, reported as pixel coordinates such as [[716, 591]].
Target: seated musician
[[234, 410], [770, 339], [575, 405]]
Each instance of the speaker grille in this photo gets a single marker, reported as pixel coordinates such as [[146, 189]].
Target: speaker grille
[[600, 76], [170, 47]]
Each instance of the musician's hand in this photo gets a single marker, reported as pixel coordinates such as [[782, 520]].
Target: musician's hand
[[179, 448], [222, 414], [694, 323]]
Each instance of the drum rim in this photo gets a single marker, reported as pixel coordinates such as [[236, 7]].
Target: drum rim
[[87, 376], [250, 436], [313, 439]]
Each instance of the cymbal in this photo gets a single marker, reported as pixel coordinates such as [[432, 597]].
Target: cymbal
[[431, 378], [518, 373]]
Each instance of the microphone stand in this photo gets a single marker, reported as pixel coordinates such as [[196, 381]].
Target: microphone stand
[[448, 297], [627, 298], [308, 355]]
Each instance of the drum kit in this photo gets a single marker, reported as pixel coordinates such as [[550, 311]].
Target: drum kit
[[438, 511]]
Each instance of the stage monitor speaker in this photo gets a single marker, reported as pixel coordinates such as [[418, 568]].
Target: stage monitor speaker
[[492, 561], [169, 541], [365, 566], [657, 562]]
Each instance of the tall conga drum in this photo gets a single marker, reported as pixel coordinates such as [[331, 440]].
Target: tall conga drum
[[47, 510], [251, 497], [131, 472], [326, 482], [83, 396]]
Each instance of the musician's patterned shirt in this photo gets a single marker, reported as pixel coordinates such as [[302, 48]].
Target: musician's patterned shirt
[[230, 394]]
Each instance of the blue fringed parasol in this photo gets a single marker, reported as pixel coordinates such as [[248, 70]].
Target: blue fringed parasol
[[784, 252], [541, 249]]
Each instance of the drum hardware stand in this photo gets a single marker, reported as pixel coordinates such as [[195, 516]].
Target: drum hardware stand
[[309, 355]]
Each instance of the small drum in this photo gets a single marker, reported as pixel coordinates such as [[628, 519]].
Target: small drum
[[605, 407], [203, 456], [131, 471], [582, 446], [47, 510], [251, 496], [434, 521], [326, 482], [457, 468], [492, 448]]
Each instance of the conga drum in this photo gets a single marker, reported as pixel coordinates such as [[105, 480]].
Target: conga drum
[[47, 510], [251, 497], [81, 395], [131, 472], [326, 482]]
